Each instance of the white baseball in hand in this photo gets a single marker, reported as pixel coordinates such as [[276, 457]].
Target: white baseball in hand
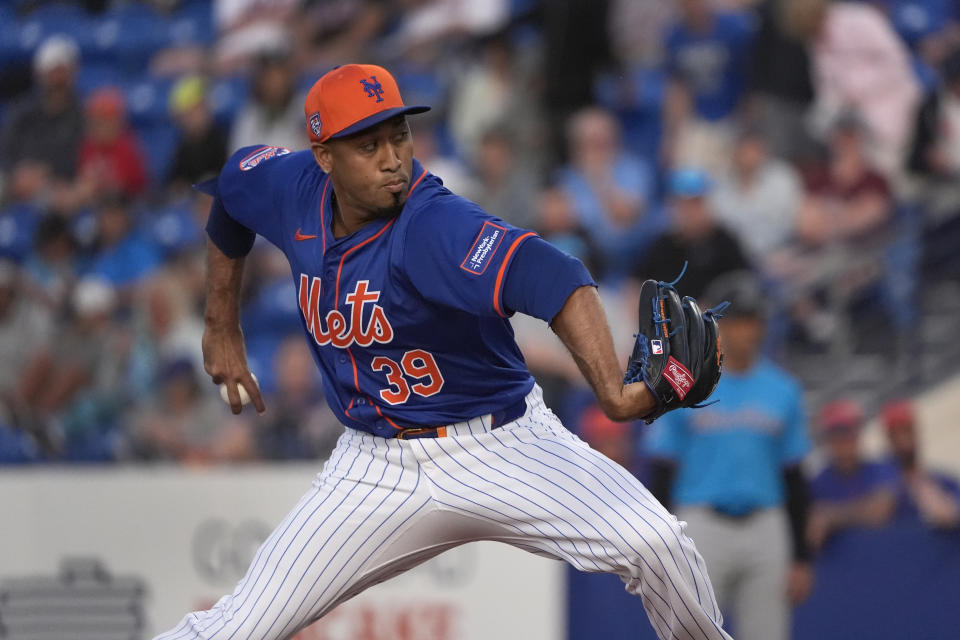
[[244, 396]]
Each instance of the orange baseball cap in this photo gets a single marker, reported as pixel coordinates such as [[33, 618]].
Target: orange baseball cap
[[351, 98]]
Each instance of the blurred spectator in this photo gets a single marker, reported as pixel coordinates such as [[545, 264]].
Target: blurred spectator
[[26, 335], [610, 189], [930, 496], [77, 396], [245, 28], [183, 423], [732, 472], [505, 188], [274, 113], [846, 198], [850, 491], [334, 31], [842, 228], [122, 255], [637, 30], [559, 225], [299, 425], [490, 93], [53, 264], [860, 64], [455, 174], [42, 132], [759, 198], [707, 63], [780, 77], [166, 329], [934, 155], [429, 24], [695, 239], [111, 160], [202, 148]]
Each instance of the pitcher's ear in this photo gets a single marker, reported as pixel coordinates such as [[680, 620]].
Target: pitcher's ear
[[321, 153]]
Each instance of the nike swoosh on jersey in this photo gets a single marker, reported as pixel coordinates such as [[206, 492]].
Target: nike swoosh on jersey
[[299, 237]]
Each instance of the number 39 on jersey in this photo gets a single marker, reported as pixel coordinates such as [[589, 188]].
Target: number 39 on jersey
[[415, 373]]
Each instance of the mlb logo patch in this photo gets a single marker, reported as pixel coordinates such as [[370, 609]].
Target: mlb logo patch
[[315, 125], [252, 160], [656, 346], [486, 244]]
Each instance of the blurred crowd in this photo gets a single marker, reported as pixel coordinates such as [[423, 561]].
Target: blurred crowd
[[809, 142]]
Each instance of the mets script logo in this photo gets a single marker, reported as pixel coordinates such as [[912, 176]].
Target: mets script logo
[[374, 89], [261, 154], [486, 244], [340, 331], [315, 124]]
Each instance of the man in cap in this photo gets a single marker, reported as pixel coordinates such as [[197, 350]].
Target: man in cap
[[732, 472], [695, 238], [850, 491], [929, 495], [45, 128], [405, 290]]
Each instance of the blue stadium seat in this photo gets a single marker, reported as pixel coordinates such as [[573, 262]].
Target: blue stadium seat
[[147, 100], [94, 75], [128, 34], [260, 354], [17, 225], [20, 37], [191, 24], [159, 141], [421, 85], [227, 95], [16, 447], [636, 98], [174, 229], [273, 311]]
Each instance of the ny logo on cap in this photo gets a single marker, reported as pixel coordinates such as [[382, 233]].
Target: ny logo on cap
[[374, 89]]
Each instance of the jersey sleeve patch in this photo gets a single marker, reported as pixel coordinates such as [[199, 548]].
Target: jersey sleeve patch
[[254, 158], [483, 249]]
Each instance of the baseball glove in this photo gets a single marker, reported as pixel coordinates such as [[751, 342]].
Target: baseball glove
[[677, 353]]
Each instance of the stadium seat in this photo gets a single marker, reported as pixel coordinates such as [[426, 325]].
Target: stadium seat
[[147, 101], [191, 24], [128, 34], [273, 311], [260, 354], [174, 229], [227, 95], [636, 99], [94, 75], [17, 225], [159, 141]]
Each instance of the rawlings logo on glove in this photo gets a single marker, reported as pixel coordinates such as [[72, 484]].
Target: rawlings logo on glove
[[677, 353]]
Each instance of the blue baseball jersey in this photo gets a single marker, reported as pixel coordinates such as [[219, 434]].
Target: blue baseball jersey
[[831, 485], [405, 316], [712, 63], [731, 454]]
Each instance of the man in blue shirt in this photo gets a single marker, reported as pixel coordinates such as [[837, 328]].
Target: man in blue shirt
[[850, 491], [931, 496], [707, 53], [732, 472]]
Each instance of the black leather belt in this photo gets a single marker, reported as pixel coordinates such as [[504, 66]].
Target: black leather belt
[[497, 420], [733, 513]]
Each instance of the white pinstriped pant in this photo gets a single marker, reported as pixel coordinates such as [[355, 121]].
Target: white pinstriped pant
[[380, 507]]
